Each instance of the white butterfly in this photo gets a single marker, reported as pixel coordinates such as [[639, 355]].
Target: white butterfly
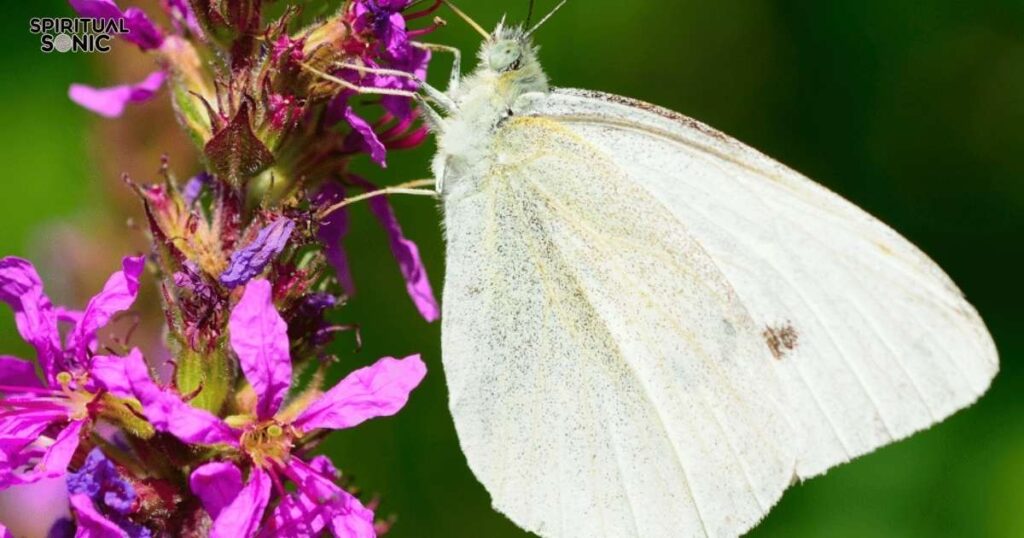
[[651, 329]]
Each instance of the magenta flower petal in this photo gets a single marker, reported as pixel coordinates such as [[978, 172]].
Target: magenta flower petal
[[216, 484], [22, 289], [4, 533], [195, 186], [250, 260], [407, 254], [109, 372], [17, 431], [259, 337], [384, 19], [182, 10], [409, 262], [67, 315], [353, 523], [241, 518], [111, 102], [26, 425], [332, 230], [117, 295], [295, 516], [58, 455], [18, 373], [96, 9], [318, 503], [379, 390], [141, 29], [168, 413], [368, 140], [91, 523]]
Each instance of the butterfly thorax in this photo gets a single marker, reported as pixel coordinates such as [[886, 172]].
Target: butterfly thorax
[[507, 69]]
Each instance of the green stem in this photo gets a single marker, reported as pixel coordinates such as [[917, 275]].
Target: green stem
[[210, 374]]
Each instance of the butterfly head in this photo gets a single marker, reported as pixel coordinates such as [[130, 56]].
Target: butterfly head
[[509, 54], [507, 49]]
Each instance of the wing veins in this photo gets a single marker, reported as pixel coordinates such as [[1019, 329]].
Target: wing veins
[[538, 263], [648, 294], [893, 355], [829, 333], [646, 391]]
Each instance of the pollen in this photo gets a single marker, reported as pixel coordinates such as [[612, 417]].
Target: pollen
[[78, 399], [268, 442]]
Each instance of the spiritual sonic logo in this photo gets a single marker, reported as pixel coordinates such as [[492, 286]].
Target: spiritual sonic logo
[[72, 34]]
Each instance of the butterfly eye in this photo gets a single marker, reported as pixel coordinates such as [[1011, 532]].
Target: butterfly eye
[[505, 57]]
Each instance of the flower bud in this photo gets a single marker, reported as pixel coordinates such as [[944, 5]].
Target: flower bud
[[191, 91]]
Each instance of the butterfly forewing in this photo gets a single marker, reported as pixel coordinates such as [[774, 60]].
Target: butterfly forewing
[[872, 339], [605, 378]]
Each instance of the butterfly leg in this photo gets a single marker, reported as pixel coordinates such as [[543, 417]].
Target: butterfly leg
[[409, 187], [357, 88], [433, 118], [456, 75], [435, 94]]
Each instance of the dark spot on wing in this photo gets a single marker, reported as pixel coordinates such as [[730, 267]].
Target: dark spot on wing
[[781, 339]]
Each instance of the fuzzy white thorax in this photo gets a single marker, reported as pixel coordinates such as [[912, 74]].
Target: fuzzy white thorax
[[507, 68]]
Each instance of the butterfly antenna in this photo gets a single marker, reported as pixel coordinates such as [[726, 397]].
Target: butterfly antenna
[[479, 29], [546, 17], [529, 15]]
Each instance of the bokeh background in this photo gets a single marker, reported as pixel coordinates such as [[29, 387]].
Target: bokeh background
[[913, 110]]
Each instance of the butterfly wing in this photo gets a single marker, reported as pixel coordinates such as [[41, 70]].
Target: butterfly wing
[[873, 340], [604, 378]]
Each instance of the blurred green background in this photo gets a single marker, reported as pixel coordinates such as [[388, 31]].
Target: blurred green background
[[913, 110]]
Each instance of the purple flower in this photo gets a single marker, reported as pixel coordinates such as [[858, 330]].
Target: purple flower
[[409, 262], [34, 315], [382, 21], [383, 18], [364, 137], [31, 406], [414, 60], [250, 260], [199, 304], [216, 484], [90, 522], [111, 497], [194, 187], [406, 253], [287, 48], [284, 111], [129, 377], [99, 479], [111, 102], [36, 318], [181, 10], [308, 321], [258, 335], [319, 503], [141, 29], [332, 230]]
